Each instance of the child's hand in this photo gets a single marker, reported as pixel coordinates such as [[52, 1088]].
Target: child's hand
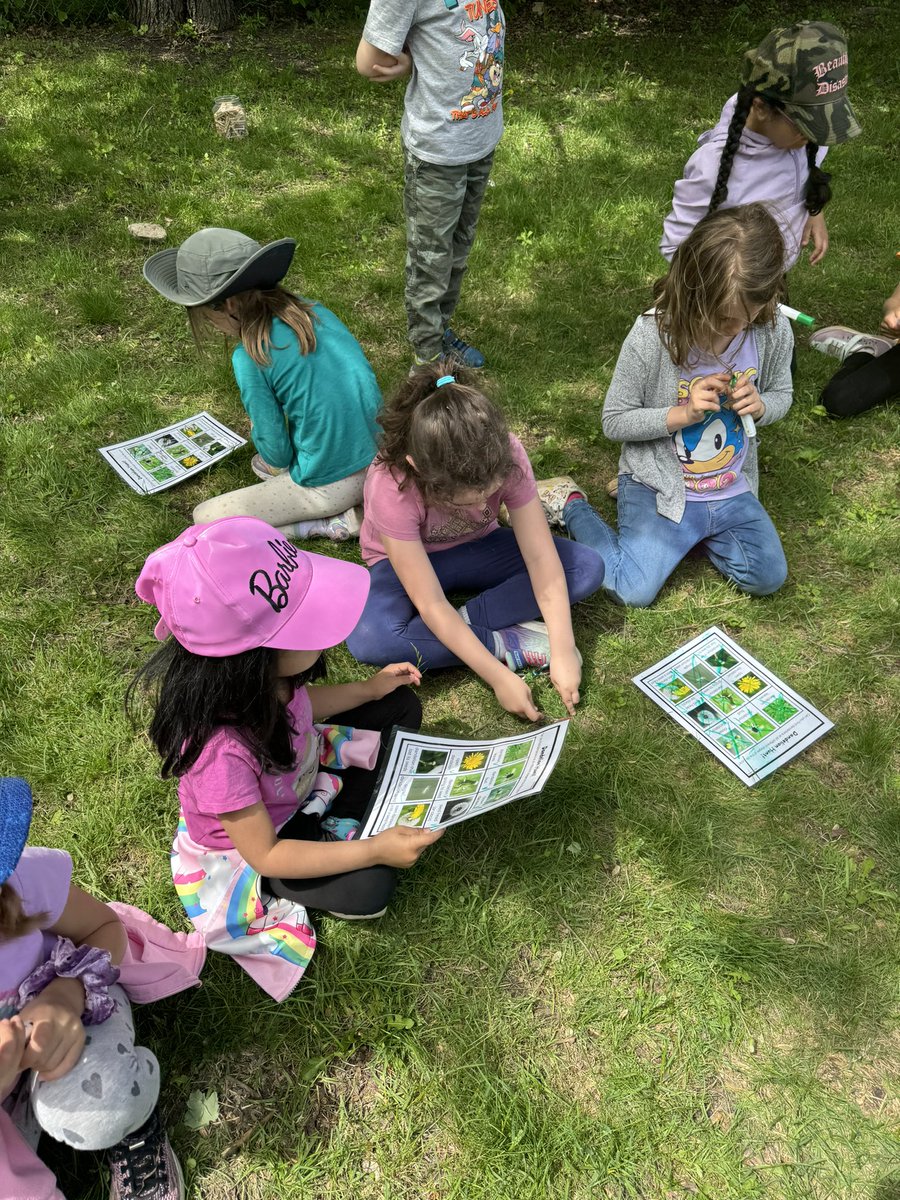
[[401, 846], [391, 677], [746, 400], [891, 320], [401, 68], [815, 230], [12, 1047], [704, 396], [565, 675], [514, 695], [57, 1034]]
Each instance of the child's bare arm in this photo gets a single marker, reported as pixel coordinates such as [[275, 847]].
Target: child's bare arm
[[253, 836], [380, 67], [328, 699]]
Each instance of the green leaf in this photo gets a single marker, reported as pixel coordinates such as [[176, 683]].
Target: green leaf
[[202, 1109], [808, 455]]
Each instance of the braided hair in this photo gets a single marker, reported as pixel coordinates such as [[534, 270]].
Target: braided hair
[[818, 189]]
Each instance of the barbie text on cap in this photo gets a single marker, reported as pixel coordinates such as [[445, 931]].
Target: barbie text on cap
[[214, 264], [15, 821], [237, 584]]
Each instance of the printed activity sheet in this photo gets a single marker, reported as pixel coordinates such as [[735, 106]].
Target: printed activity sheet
[[429, 780], [167, 456], [746, 716]]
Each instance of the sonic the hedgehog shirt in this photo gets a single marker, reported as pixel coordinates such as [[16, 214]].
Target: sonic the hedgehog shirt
[[712, 452]]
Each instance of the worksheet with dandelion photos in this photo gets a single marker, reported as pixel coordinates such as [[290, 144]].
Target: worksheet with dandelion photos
[[746, 716], [167, 456], [430, 780]]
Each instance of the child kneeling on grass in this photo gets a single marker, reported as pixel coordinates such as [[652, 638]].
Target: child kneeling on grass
[[264, 833], [446, 465], [69, 1066], [714, 352], [308, 389]]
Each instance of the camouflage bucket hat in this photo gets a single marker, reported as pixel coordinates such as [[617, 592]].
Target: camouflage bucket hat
[[804, 68]]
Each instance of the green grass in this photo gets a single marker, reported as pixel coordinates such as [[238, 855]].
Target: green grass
[[649, 983]]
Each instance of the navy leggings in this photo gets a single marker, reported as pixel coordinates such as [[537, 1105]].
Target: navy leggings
[[391, 630]]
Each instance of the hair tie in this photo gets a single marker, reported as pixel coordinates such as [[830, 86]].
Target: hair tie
[[445, 379]]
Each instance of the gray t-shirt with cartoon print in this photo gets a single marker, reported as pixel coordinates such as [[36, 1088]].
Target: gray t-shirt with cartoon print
[[453, 109]]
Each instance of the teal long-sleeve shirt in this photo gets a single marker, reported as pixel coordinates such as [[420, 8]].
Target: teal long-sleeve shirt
[[313, 413]]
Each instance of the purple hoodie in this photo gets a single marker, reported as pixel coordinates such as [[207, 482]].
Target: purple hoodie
[[759, 172]]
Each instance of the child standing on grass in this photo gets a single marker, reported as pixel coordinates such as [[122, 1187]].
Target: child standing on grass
[[264, 833], [714, 351], [69, 1066], [870, 371], [452, 121], [770, 140], [446, 464], [309, 391]]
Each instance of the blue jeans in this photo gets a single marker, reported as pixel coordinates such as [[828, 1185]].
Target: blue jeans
[[391, 630], [736, 534]]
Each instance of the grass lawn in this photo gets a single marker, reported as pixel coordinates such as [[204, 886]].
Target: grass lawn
[[651, 982]]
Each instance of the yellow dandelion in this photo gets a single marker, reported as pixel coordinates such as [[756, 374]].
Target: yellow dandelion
[[749, 684], [471, 762]]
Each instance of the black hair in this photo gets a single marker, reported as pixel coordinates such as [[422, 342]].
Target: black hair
[[818, 185], [195, 695]]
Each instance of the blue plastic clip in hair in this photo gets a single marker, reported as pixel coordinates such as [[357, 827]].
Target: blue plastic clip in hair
[[445, 379], [451, 3]]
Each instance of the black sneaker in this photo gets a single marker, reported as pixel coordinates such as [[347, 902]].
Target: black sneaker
[[144, 1167]]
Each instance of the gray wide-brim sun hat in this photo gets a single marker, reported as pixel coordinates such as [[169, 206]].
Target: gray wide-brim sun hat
[[214, 264]]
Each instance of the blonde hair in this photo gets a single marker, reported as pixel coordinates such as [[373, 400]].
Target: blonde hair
[[733, 260], [13, 921], [255, 310]]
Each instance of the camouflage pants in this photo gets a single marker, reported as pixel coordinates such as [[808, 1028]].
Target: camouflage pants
[[441, 204]]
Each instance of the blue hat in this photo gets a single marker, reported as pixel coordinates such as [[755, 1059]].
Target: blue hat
[[15, 821]]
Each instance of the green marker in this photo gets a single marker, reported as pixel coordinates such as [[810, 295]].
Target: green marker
[[796, 315]]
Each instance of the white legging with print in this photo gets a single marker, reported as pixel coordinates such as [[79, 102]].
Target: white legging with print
[[282, 502]]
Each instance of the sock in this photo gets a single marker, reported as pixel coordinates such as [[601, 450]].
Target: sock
[[574, 496], [307, 529], [464, 614]]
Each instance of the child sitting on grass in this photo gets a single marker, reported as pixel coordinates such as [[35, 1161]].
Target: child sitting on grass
[[309, 391], [264, 833], [714, 352], [69, 1066], [870, 371], [447, 463]]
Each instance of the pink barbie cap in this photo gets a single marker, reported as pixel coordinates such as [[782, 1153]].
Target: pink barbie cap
[[237, 584]]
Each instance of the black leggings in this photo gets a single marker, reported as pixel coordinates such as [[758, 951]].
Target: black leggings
[[862, 382], [367, 891]]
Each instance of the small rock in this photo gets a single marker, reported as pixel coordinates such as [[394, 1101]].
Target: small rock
[[144, 230]]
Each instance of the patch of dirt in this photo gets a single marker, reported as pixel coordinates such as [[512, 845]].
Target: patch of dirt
[[351, 1086]]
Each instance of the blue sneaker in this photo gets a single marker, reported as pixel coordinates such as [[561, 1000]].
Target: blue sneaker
[[455, 347]]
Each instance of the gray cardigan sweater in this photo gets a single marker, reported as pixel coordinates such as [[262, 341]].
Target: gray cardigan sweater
[[645, 386]]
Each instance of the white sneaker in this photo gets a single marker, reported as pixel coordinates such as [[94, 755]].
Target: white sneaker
[[839, 341], [345, 525], [553, 494]]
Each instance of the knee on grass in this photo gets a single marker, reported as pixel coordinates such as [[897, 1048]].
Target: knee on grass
[[766, 579]]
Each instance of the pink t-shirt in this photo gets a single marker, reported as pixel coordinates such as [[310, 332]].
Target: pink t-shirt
[[228, 776], [42, 878], [404, 515]]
